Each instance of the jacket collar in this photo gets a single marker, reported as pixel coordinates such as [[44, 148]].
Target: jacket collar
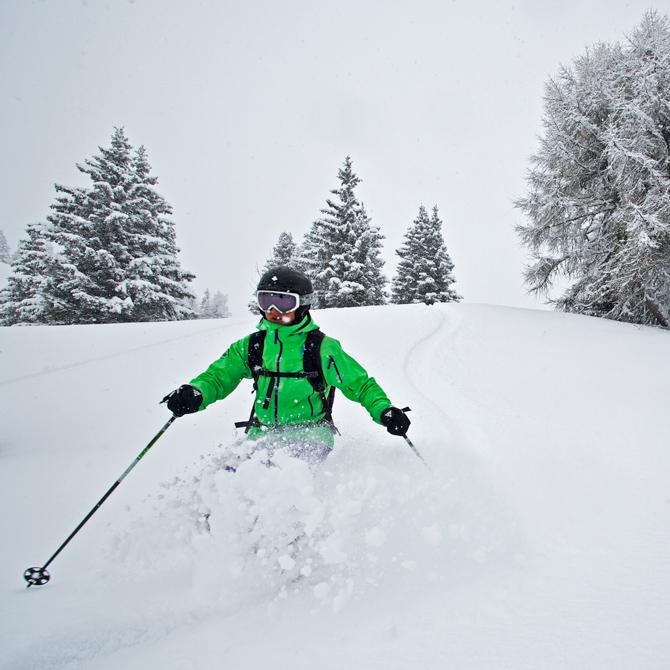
[[305, 326]]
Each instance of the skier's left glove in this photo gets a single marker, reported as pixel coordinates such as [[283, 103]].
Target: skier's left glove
[[184, 400], [395, 420]]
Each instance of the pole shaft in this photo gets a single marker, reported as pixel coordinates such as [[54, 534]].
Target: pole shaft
[[416, 451], [111, 490]]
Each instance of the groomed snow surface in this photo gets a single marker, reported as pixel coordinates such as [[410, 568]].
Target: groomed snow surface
[[538, 539]]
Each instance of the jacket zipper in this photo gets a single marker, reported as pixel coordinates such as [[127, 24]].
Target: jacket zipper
[[331, 361], [281, 349]]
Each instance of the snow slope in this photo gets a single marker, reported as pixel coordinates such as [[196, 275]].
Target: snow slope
[[539, 538]]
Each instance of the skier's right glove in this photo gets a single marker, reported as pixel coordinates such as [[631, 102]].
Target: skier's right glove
[[184, 400], [396, 421]]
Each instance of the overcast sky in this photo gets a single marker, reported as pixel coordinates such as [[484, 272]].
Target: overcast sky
[[248, 109]]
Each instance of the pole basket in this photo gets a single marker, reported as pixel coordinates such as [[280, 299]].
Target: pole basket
[[36, 576]]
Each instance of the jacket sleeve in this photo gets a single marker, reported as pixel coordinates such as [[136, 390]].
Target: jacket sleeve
[[222, 377], [345, 373]]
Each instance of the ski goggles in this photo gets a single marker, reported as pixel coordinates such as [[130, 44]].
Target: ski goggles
[[281, 301]]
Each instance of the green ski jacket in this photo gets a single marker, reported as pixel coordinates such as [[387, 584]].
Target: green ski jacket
[[293, 401]]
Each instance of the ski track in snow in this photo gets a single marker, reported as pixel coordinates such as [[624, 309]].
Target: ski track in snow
[[418, 361]]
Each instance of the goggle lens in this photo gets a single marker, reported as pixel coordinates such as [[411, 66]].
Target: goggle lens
[[282, 302]]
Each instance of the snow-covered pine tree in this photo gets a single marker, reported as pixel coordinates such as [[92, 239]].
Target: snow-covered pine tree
[[5, 254], [205, 309], [71, 292], [22, 301], [598, 199], [220, 306], [214, 306], [114, 246], [311, 255], [283, 252], [89, 231], [368, 255], [192, 304], [425, 271], [154, 281], [341, 250]]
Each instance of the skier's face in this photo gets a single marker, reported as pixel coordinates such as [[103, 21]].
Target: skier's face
[[282, 318]]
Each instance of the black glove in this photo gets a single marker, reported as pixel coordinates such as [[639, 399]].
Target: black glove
[[184, 400], [395, 420]]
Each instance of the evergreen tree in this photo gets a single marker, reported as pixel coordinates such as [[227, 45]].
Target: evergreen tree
[[192, 304], [598, 197], [214, 306], [313, 259], [220, 306], [205, 310], [283, 252], [341, 251], [369, 259], [89, 230], [155, 282], [5, 255], [425, 271], [21, 301], [113, 256]]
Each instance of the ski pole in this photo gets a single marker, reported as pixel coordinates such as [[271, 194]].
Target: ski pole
[[416, 451], [37, 576], [409, 442]]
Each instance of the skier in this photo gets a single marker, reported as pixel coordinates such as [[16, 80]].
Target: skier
[[295, 369]]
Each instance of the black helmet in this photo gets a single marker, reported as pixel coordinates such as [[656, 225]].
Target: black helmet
[[286, 279]]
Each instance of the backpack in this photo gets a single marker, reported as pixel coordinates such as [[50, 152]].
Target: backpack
[[312, 371]]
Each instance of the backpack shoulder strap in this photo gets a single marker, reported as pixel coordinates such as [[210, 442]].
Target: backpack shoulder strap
[[311, 361], [255, 363], [255, 354], [314, 371]]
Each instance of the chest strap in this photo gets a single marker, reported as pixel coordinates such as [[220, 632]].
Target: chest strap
[[274, 376], [312, 371]]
